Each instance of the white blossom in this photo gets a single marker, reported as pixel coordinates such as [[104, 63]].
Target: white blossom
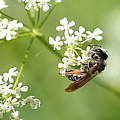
[[96, 34], [69, 53], [44, 4], [58, 1], [85, 54], [2, 4], [71, 41], [8, 29], [11, 96], [5, 89], [15, 115], [33, 102], [66, 63], [80, 34], [36, 4], [65, 26], [9, 76], [20, 89], [57, 43]]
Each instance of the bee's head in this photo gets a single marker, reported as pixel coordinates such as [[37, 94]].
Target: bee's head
[[99, 54]]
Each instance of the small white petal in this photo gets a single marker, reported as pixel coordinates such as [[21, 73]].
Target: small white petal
[[45, 8], [58, 1], [59, 28], [98, 31], [64, 21], [51, 40], [98, 38], [58, 38], [24, 89], [81, 29], [71, 24], [20, 85], [2, 4]]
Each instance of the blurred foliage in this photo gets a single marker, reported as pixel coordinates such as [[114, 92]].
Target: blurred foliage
[[91, 102]]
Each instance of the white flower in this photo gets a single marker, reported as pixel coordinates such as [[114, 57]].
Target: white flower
[[1, 80], [65, 25], [80, 33], [11, 97], [20, 89], [57, 43], [58, 1], [8, 76], [2, 4], [44, 4], [5, 89], [33, 102], [6, 106], [96, 34], [30, 4], [85, 54], [69, 53], [67, 62], [14, 25], [15, 115], [79, 60], [35, 4], [8, 29], [71, 41]]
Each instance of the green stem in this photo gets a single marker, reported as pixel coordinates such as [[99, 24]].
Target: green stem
[[30, 18], [37, 18], [12, 18], [42, 23], [45, 43], [103, 85], [27, 52], [6, 15], [24, 34]]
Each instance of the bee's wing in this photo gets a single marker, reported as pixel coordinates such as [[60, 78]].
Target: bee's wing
[[79, 83]]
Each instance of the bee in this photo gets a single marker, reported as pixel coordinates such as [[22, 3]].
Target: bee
[[96, 65]]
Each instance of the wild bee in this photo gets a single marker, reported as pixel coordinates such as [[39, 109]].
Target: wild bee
[[94, 67]]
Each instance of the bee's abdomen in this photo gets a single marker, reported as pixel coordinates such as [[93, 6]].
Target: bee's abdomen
[[73, 77]]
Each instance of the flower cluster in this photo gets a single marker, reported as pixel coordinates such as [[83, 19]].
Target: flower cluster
[[2, 4], [36, 4], [8, 29], [10, 96], [76, 54]]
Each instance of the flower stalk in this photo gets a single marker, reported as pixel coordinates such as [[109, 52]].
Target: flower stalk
[[27, 52], [45, 43], [12, 18], [46, 17]]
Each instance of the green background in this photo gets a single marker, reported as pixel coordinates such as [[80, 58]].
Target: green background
[[91, 102]]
